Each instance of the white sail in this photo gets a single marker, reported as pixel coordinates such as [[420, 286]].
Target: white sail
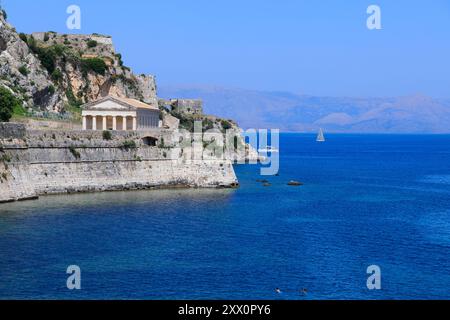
[[320, 136]]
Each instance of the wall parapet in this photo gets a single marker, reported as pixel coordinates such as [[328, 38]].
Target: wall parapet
[[10, 130]]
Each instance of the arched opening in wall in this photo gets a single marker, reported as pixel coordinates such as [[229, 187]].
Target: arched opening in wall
[[150, 141]]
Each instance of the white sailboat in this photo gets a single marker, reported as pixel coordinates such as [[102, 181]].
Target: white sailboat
[[320, 136]]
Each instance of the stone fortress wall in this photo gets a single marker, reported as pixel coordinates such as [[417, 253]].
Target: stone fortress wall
[[39, 162], [104, 47], [186, 106]]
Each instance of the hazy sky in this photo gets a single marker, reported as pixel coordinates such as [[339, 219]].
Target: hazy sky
[[314, 47]]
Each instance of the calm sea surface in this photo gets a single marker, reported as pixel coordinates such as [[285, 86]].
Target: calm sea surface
[[367, 199]]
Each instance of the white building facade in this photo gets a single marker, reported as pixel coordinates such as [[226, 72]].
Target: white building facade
[[119, 114]]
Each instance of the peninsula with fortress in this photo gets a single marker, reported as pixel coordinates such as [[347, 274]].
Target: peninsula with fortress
[[82, 121]]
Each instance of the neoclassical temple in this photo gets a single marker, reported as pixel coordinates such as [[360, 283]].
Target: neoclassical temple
[[114, 113]]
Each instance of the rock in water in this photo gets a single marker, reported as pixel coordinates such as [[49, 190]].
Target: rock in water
[[294, 183]]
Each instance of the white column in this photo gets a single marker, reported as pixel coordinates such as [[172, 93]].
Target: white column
[[134, 124], [114, 123], [94, 123], [84, 123], [124, 123], [104, 123]]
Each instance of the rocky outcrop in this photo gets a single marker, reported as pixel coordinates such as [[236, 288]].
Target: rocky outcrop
[[87, 67]]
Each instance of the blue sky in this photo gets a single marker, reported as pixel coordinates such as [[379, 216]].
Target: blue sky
[[312, 47]]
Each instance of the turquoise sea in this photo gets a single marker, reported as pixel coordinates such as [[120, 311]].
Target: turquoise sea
[[367, 200]]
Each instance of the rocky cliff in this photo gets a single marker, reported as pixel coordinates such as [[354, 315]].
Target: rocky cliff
[[22, 72], [54, 72]]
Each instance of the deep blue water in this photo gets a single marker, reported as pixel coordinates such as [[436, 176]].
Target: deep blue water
[[367, 199]]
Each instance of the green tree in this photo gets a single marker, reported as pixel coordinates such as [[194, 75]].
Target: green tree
[[119, 56], [48, 59], [7, 104]]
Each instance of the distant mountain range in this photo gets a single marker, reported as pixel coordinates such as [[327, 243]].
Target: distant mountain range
[[302, 113]]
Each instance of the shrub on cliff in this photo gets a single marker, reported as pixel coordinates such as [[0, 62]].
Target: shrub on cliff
[[3, 12], [74, 152], [23, 70], [119, 57], [19, 111], [48, 59], [51, 89], [57, 75], [96, 65], [23, 37], [92, 44], [48, 56], [7, 104], [5, 158], [128, 144], [31, 42], [226, 124], [186, 123], [73, 101]]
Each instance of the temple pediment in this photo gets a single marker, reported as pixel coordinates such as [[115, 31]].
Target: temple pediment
[[109, 103]]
